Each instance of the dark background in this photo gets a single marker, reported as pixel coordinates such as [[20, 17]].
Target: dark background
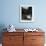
[[26, 12]]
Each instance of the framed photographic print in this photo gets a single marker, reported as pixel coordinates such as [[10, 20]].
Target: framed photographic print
[[26, 13]]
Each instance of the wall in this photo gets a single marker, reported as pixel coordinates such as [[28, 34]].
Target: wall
[[10, 13]]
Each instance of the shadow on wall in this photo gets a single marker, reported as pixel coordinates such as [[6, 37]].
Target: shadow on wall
[[2, 26]]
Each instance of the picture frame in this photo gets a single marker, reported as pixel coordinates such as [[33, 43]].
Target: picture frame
[[26, 13]]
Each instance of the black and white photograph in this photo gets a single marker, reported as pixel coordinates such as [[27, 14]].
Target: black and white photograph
[[26, 13]]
